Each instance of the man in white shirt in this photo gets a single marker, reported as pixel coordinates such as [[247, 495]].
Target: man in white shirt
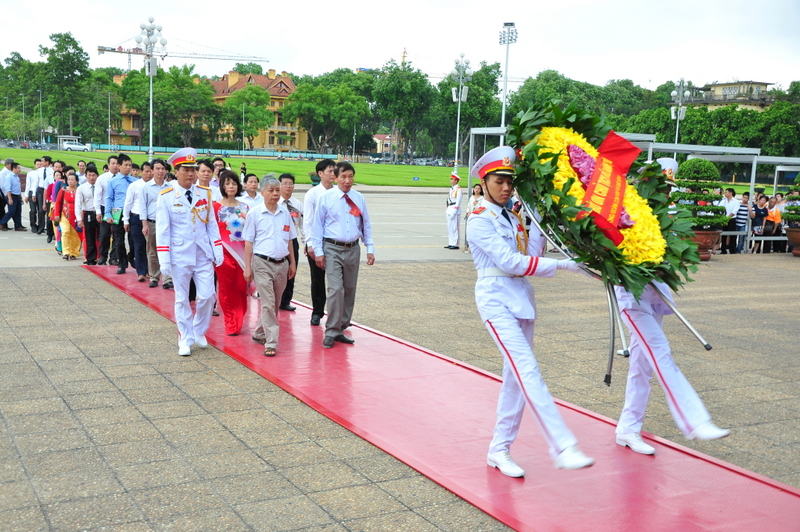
[[148, 201], [340, 221], [731, 205], [45, 174], [133, 221], [81, 173], [84, 213], [205, 171], [295, 209], [4, 173], [269, 258], [100, 211], [31, 185], [326, 173]]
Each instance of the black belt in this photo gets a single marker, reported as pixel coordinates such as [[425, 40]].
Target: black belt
[[149, 220], [343, 244], [270, 259]]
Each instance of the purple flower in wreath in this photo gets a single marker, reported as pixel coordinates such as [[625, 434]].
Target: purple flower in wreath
[[581, 162], [238, 235]]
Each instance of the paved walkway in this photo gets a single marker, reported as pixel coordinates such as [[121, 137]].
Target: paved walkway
[[103, 426]]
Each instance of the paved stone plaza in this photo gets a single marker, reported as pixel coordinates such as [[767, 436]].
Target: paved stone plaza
[[104, 427]]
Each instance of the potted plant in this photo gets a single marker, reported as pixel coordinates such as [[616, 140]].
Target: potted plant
[[708, 219], [791, 217]]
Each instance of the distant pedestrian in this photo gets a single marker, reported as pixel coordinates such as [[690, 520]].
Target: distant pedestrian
[[452, 212]]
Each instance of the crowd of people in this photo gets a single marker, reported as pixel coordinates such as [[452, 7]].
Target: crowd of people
[[214, 236]]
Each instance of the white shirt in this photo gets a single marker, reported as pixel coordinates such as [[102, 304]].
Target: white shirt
[[296, 212], [309, 207], [131, 205], [81, 178], [84, 200], [332, 219], [252, 203], [148, 199], [4, 174], [100, 191], [731, 207], [32, 182], [42, 181], [269, 232]]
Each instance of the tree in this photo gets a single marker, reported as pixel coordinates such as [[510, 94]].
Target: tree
[[66, 77], [404, 95], [326, 112], [248, 68], [253, 102]]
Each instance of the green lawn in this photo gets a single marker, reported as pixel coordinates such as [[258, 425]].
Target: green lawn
[[368, 174]]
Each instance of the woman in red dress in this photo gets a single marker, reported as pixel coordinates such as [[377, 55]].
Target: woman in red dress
[[231, 288], [64, 216]]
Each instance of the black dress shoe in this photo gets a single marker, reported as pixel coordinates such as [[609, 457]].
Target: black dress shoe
[[315, 319], [101, 263], [153, 283], [49, 238], [167, 285], [214, 312], [344, 339], [113, 262], [327, 343], [290, 308], [120, 271]]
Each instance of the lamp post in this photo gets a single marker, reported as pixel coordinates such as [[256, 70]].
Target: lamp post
[[41, 122], [508, 37], [242, 128], [151, 34], [23, 117], [461, 73], [109, 120], [678, 113]]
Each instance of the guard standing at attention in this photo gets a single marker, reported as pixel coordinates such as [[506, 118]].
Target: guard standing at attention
[[188, 246], [452, 212], [504, 255]]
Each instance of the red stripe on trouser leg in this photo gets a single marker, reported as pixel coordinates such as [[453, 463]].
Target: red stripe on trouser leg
[[548, 436], [667, 390]]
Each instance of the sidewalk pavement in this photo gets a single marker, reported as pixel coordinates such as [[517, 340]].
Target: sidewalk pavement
[[103, 426]]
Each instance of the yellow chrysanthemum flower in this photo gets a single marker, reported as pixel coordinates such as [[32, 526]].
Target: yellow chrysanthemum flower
[[643, 242]]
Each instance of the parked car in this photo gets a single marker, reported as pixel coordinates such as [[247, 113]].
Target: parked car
[[71, 145]]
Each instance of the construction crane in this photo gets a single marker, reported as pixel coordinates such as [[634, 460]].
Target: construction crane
[[163, 54]]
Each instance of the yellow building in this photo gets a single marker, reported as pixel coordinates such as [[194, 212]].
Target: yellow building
[[744, 94], [282, 136]]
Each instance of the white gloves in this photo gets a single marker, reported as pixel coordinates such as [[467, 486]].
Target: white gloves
[[569, 265], [218, 259]]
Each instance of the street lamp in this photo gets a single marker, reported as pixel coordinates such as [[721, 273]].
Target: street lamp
[[242, 128], [41, 122], [109, 120], [678, 113], [463, 74], [23, 117], [151, 34], [508, 37]]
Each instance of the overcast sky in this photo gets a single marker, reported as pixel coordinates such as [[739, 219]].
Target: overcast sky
[[648, 41]]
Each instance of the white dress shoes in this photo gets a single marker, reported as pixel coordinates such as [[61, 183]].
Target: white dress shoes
[[201, 342], [707, 432], [635, 442], [184, 349], [572, 458], [502, 460]]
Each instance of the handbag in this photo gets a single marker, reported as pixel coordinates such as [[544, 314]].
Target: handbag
[[769, 227]]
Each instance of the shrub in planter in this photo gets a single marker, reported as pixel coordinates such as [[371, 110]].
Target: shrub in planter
[[695, 175]]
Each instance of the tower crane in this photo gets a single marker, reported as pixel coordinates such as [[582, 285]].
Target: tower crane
[[163, 54]]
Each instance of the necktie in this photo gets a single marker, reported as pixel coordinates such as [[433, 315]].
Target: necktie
[[507, 217], [189, 196], [354, 210]]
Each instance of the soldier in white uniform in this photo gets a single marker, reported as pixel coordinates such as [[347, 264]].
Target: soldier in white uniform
[[650, 354], [503, 256], [188, 246], [452, 212]]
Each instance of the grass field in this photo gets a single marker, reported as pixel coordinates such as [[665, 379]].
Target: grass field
[[367, 174]]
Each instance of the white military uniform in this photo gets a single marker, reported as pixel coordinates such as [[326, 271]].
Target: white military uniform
[[451, 213], [650, 354], [188, 246], [507, 307]]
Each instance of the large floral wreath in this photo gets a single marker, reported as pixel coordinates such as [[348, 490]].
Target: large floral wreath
[[557, 150]]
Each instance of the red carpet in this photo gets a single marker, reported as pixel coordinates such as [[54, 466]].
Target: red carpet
[[436, 415]]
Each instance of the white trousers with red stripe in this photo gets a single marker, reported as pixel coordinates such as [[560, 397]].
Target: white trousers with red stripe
[[191, 327], [650, 354], [523, 383]]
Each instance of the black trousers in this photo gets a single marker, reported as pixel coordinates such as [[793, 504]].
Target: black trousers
[[104, 235], [318, 294], [288, 292], [119, 244], [41, 210], [90, 231], [3, 205], [139, 246], [729, 242]]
